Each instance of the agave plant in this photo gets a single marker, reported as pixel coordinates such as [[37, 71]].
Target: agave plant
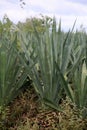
[[51, 50], [12, 71], [57, 55], [80, 88], [78, 72]]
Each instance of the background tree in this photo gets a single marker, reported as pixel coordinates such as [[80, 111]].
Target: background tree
[[39, 23]]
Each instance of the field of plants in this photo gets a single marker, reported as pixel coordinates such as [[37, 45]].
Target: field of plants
[[43, 76]]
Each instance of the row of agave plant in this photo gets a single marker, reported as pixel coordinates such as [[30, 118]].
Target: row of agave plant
[[51, 59]]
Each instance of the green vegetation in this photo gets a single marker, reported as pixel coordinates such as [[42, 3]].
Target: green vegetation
[[56, 63]]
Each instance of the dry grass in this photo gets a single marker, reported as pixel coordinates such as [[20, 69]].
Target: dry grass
[[25, 113]]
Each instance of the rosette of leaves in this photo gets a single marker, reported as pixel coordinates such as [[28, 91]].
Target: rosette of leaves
[[12, 71]]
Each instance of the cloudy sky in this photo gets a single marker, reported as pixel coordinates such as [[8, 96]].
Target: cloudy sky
[[66, 10]]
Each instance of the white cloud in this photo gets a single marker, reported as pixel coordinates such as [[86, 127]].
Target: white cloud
[[67, 10], [59, 7], [79, 1]]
